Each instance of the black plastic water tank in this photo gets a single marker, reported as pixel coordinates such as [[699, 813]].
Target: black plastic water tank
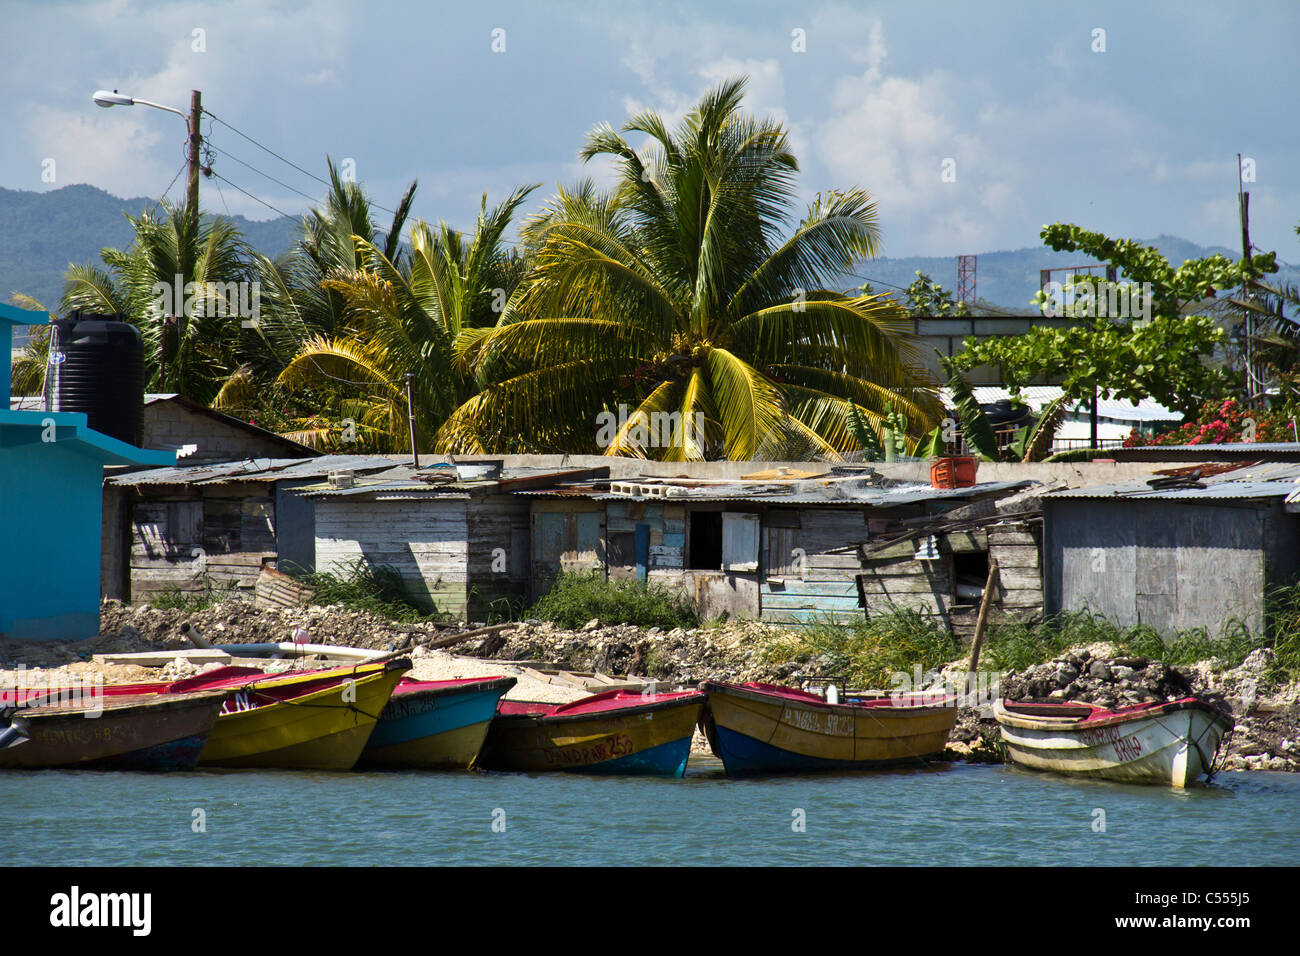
[[97, 367], [1003, 412]]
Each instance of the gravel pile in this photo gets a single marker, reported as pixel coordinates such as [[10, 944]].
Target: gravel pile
[[1114, 682]]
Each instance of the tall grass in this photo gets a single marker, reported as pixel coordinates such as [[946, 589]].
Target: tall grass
[[1012, 645], [1282, 609], [867, 653], [577, 598], [377, 588]]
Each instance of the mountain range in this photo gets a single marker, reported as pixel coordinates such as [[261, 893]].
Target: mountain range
[[42, 233]]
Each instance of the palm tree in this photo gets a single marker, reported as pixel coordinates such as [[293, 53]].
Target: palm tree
[[688, 293], [27, 374], [424, 316], [179, 282], [296, 306]]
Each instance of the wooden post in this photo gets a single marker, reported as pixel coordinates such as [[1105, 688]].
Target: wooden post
[[982, 621], [196, 140], [410, 413]]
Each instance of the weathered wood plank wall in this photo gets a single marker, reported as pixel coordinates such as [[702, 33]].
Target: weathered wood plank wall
[[424, 540], [186, 540], [802, 581]]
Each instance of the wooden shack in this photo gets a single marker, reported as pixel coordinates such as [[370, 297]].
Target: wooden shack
[[461, 547], [199, 527], [1203, 553], [785, 552]]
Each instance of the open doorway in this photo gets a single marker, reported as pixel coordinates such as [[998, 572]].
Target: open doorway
[[705, 541], [970, 572]]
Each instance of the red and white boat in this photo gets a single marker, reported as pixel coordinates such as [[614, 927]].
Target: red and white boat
[[1171, 743]]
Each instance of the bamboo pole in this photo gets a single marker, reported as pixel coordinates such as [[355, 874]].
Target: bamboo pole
[[981, 622]]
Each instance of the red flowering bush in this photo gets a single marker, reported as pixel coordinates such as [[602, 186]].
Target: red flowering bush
[[1222, 423]]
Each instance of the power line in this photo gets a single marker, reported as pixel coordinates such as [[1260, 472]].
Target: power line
[[269, 150], [345, 381], [217, 149], [248, 194], [307, 173], [159, 200]]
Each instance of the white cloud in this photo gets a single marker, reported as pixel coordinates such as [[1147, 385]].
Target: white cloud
[[134, 151]]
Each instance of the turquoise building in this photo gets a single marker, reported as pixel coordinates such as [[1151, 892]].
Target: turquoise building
[[51, 477]]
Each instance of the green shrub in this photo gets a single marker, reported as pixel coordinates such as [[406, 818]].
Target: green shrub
[[577, 598], [377, 588]]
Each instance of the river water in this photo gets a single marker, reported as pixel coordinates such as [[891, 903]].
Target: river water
[[951, 814]]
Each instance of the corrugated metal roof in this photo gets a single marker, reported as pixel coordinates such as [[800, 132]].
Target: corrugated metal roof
[[1235, 448], [1038, 396], [1261, 471], [254, 469], [400, 482], [1224, 490], [883, 497]]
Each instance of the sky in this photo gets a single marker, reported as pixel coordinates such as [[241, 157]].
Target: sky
[[972, 124]]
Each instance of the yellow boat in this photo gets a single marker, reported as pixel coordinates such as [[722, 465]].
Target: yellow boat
[[306, 720], [763, 728]]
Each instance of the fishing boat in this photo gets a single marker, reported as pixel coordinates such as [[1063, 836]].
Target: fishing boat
[[435, 724], [614, 732], [1171, 743], [297, 720], [765, 728], [123, 732]]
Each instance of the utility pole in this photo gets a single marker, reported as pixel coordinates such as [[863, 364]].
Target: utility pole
[[196, 139], [1243, 209]]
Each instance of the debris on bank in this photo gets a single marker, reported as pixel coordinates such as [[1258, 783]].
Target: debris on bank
[[1265, 707]]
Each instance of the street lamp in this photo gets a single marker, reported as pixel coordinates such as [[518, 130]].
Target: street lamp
[[108, 99]]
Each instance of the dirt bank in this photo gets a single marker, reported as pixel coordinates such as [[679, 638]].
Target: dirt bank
[[1266, 708]]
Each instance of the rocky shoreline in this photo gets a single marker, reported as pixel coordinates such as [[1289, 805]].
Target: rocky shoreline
[[1266, 708]]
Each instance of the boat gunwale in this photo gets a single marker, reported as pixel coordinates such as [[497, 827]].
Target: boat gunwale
[[119, 703], [1115, 718], [290, 677], [686, 699], [946, 703], [466, 686]]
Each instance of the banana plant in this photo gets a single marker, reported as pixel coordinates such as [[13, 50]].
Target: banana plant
[[1030, 443]]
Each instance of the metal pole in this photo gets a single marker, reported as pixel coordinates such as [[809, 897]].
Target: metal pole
[[1092, 420], [410, 411]]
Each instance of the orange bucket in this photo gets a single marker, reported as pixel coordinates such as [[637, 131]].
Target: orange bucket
[[954, 471]]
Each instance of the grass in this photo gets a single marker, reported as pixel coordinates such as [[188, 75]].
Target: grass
[[174, 599], [867, 653], [377, 588], [577, 598], [1014, 646]]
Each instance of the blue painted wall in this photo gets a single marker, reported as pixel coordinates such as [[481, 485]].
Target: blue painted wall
[[50, 529], [51, 478]]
